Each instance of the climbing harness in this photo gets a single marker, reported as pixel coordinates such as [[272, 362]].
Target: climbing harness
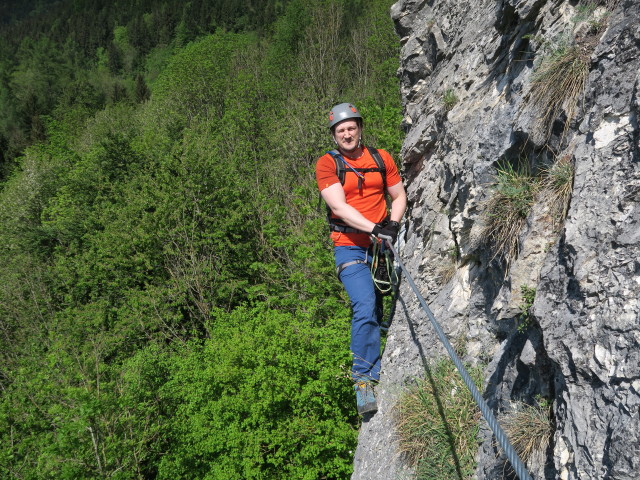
[[344, 265], [510, 452], [384, 273]]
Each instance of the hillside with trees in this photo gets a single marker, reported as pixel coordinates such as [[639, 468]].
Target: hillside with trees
[[168, 303]]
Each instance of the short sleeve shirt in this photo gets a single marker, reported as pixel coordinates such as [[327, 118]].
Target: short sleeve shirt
[[368, 196]]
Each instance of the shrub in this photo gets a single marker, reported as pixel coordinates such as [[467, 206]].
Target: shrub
[[262, 398], [437, 424]]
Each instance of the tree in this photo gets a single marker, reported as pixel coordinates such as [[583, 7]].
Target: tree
[[142, 91], [168, 307]]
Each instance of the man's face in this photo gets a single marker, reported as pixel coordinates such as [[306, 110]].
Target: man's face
[[347, 135]]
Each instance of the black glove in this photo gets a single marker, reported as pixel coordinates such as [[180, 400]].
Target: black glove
[[389, 229]]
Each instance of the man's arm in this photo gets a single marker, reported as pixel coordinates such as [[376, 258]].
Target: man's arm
[[337, 202], [398, 201]]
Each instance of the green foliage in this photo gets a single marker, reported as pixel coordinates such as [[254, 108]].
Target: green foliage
[[194, 82], [123, 53], [383, 127], [261, 405], [168, 303], [528, 295], [437, 424]]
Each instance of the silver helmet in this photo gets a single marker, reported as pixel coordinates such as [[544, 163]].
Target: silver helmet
[[343, 111]]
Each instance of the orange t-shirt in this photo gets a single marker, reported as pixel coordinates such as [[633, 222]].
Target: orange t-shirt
[[369, 200]]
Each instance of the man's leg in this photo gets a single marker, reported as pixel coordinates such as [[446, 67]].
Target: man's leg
[[365, 331]]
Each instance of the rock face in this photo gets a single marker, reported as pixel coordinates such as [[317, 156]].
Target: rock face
[[471, 77]]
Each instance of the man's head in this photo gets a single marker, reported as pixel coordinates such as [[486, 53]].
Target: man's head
[[345, 123]]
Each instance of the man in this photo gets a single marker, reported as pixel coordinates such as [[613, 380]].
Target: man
[[359, 215]]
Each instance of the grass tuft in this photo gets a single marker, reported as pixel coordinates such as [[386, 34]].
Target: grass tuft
[[595, 17], [557, 186], [557, 85], [506, 210], [448, 268], [449, 99], [437, 424], [529, 428]]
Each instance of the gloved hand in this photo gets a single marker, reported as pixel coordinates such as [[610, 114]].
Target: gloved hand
[[387, 229]]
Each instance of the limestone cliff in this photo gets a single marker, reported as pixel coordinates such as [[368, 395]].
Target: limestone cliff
[[472, 79]]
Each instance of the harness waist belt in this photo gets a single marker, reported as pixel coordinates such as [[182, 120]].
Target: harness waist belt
[[334, 227]]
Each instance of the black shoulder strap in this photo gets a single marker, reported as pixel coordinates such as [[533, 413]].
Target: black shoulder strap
[[341, 169], [380, 163]]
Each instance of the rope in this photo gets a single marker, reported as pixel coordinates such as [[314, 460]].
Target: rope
[[513, 457], [385, 277]]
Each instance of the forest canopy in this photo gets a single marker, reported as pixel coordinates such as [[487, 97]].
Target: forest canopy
[[168, 305]]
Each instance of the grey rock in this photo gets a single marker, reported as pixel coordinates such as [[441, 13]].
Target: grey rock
[[581, 351]]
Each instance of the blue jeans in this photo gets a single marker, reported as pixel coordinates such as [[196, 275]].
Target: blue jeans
[[366, 304]]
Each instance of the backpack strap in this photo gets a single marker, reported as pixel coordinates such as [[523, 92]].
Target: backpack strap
[[341, 165], [341, 168], [382, 168]]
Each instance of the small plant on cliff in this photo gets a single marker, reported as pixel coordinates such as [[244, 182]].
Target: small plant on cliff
[[449, 99], [529, 428], [557, 85], [585, 12], [593, 16], [448, 268], [437, 424], [557, 185], [528, 296], [507, 209]]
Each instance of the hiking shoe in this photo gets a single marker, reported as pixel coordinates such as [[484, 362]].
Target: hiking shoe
[[365, 398]]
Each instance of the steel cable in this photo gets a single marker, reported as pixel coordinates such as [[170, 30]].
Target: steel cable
[[510, 452]]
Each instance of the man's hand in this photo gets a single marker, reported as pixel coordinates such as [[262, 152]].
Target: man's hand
[[385, 229]]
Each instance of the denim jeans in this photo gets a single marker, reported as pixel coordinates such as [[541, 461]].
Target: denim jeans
[[366, 304]]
